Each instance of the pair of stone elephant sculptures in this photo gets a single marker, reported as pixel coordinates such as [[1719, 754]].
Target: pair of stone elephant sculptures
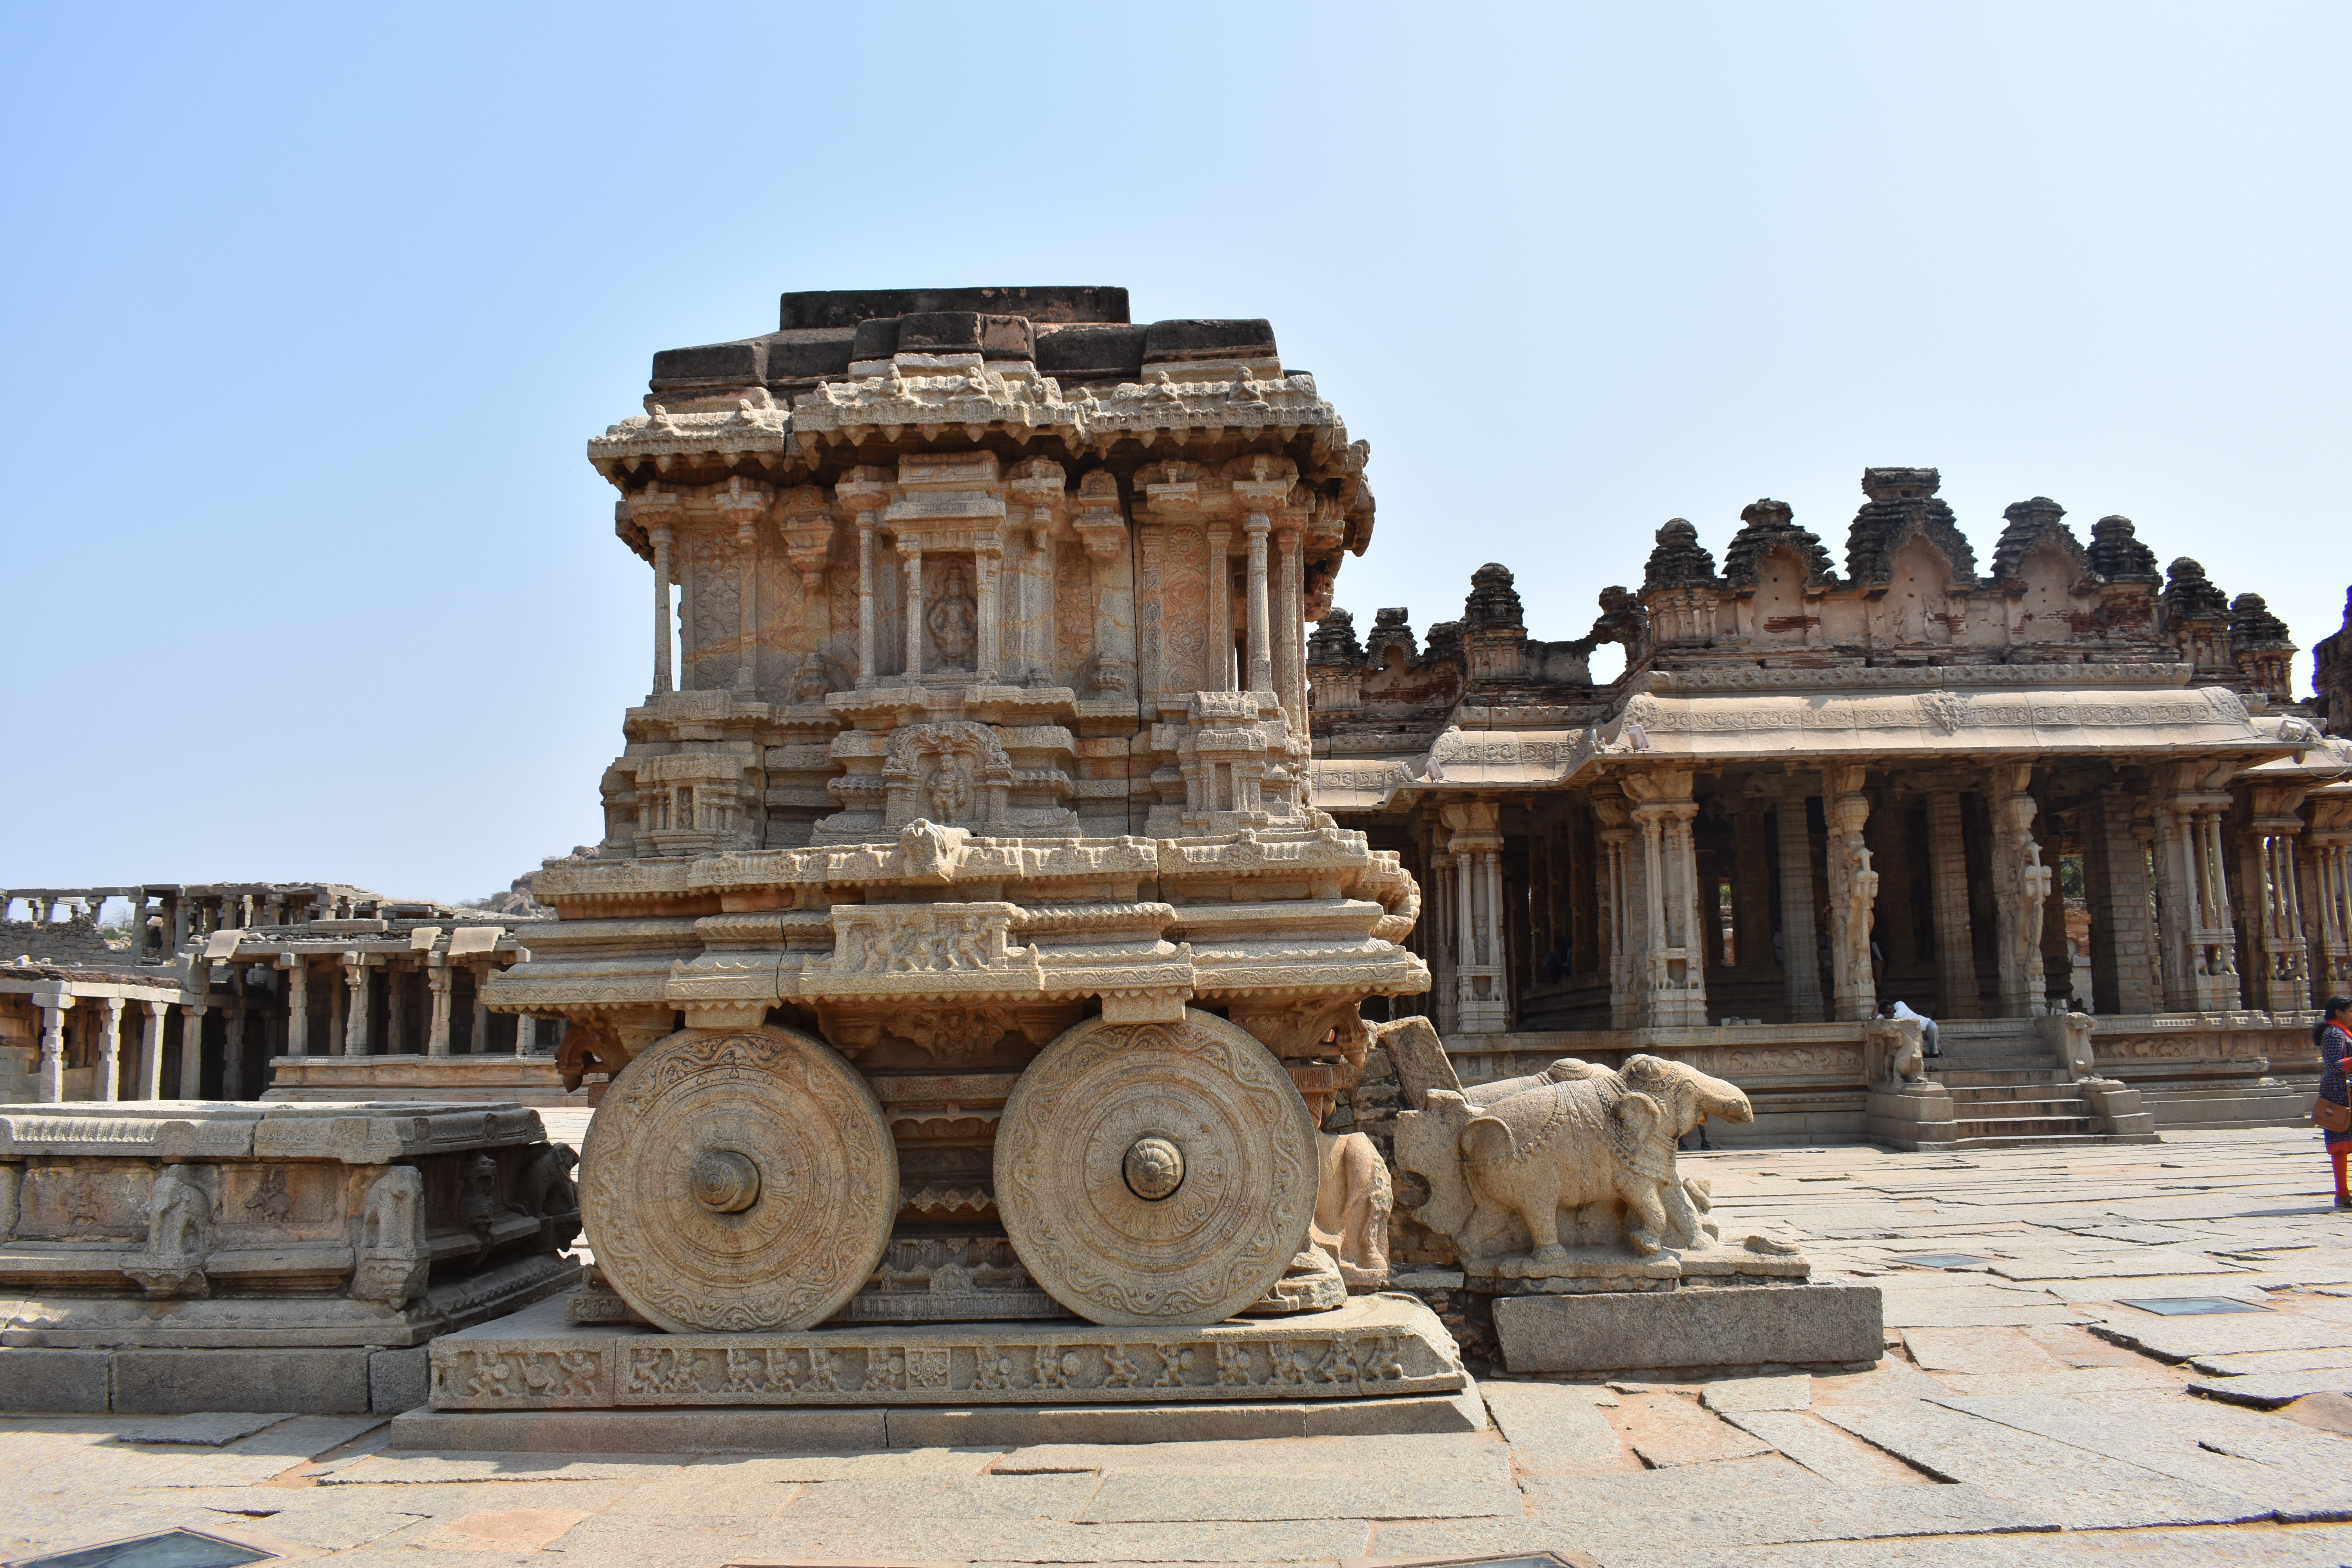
[[1579, 1146]]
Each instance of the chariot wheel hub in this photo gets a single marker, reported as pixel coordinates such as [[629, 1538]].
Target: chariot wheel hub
[[1154, 1168], [725, 1182]]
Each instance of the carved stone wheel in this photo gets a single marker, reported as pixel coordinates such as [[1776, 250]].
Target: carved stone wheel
[[738, 1180], [1156, 1173]]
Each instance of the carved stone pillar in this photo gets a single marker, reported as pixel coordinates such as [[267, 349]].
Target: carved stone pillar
[[746, 579], [1261, 659], [1853, 893], [1800, 965], [1614, 835], [660, 534], [1220, 606], [2201, 947], [233, 1051], [2329, 898], [1151, 668], [109, 1084], [2279, 975], [478, 1034], [910, 558], [151, 1051], [1673, 969], [2020, 883], [298, 1006], [50, 1075], [1482, 1000], [355, 1027], [1751, 894], [1290, 626], [2124, 977], [436, 976], [865, 599], [526, 1034], [986, 566], [1438, 911], [395, 1008], [1948, 872], [192, 1050]]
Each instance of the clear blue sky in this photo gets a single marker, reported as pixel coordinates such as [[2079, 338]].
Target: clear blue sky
[[310, 310]]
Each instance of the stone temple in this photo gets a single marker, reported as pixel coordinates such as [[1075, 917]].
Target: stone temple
[[1023, 966]]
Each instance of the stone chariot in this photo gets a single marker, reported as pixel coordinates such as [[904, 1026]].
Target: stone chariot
[[963, 946]]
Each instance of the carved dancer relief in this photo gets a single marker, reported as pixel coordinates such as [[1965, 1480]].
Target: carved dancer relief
[[393, 1256]]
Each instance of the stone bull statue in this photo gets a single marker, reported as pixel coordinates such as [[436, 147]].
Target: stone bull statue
[[1596, 1138]]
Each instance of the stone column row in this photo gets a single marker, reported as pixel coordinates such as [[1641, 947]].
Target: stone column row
[[1482, 1002], [2200, 948]]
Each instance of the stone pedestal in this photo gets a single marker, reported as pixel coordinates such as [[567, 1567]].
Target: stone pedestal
[[179, 1254], [1711, 1329]]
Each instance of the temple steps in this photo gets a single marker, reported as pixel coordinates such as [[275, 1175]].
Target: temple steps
[[2007, 1091]]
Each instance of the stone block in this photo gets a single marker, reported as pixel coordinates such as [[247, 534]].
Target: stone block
[[1739, 1325], [306, 1381], [640, 1431], [1208, 339], [399, 1380], [61, 1381]]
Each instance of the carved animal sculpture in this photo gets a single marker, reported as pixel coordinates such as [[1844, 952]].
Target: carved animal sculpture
[[1352, 1201], [1566, 1145], [1567, 1070]]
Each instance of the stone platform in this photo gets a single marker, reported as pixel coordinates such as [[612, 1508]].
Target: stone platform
[[1712, 1330], [532, 1080], [1375, 1348], [163, 1255]]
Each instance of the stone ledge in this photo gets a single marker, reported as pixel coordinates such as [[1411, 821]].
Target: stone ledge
[[1726, 1325], [1385, 1346], [815, 1429]]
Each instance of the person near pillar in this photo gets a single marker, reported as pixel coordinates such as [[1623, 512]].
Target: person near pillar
[[2335, 1044], [1926, 1025]]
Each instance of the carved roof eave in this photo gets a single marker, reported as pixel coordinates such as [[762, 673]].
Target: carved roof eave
[[749, 430], [1936, 724], [1283, 852]]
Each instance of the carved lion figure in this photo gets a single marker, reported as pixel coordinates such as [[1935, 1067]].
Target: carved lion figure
[[1608, 1137]]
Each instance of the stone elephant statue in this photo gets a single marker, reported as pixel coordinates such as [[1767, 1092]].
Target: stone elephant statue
[[1570, 1144]]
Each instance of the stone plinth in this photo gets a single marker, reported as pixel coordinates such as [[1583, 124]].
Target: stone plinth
[[1372, 1347], [503, 1079], [1715, 1328], [191, 1246]]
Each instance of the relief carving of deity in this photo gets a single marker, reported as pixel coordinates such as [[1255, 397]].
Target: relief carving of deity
[[954, 621], [951, 788]]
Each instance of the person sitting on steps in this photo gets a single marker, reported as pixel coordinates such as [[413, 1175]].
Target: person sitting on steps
[[1926, 1025]]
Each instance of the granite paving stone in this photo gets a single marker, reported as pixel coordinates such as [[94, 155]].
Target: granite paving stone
[[2080, 1489], [427, 1469], [1056, 1497], [1755, 1501], [1556, 1427], [1828, 1452], [1976, 1350], [2223, 1546], [1666, 1431], [1137, 1498], [882, 1537], [1735, 1395], [2266, 1388], [211, 1427]]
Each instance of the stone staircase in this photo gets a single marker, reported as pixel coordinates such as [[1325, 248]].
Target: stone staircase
[[2009, 1091]]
